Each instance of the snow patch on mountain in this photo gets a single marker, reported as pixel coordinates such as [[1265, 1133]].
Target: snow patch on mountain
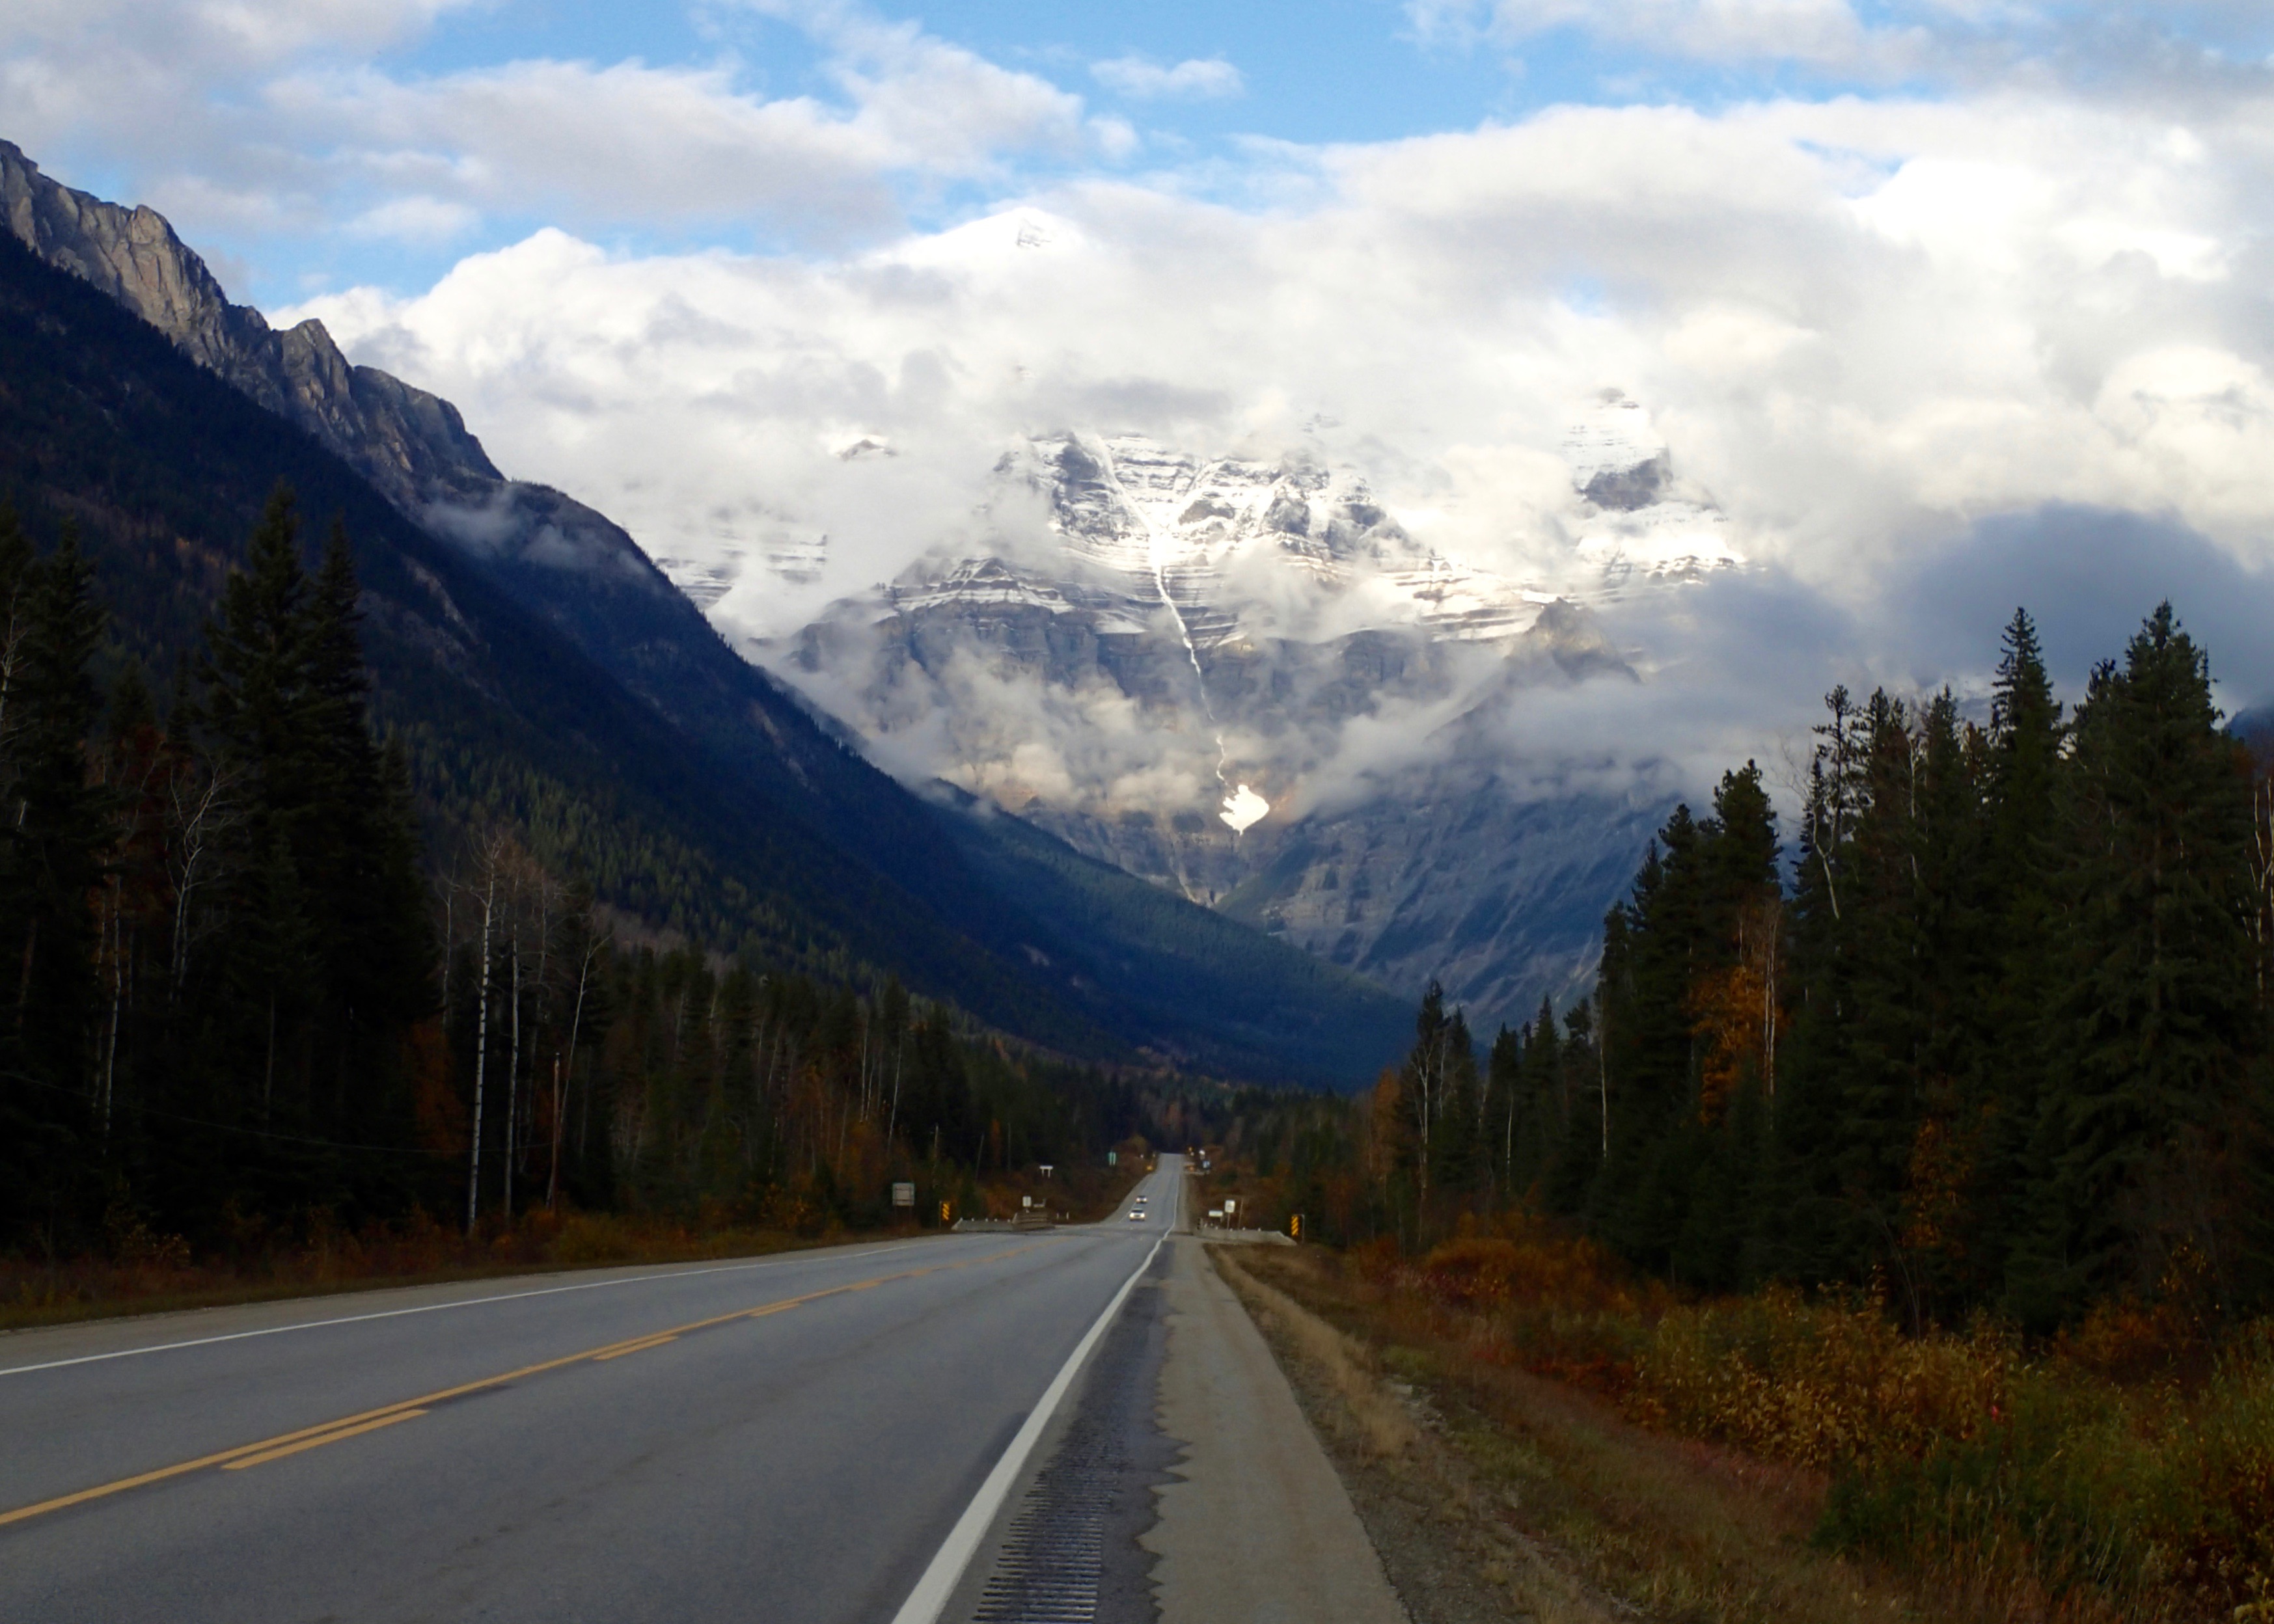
[[1640, 519]]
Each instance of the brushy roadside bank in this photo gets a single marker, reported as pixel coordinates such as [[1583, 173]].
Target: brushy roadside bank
[[149, 1273], [2124, 1473], [144, 1272]]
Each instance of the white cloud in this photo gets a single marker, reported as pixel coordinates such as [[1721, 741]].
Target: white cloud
[[1142, 79], [269, 116], [1869, 327], [415, 218], [1815, 31], [1862, 327]]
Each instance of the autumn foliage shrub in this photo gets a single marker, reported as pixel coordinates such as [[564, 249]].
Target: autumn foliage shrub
[[1817, 1384], [2131, 1460], [1556, 1304], [2136, 1493]]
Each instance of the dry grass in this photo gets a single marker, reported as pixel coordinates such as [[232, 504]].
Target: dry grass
[[2126, 1472], [1447, 1537], [1666, 1527], [1346, 1365]]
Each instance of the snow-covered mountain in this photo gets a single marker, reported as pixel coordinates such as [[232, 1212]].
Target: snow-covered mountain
[[1243, 678], [1641, 522]]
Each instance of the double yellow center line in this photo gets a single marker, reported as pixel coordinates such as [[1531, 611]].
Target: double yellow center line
[[387, 1415]]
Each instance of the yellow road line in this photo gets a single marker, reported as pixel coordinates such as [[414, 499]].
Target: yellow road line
[[652, 1341], [242, 1462], [349, 1426]]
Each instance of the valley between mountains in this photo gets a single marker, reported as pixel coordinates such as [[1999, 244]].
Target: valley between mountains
[[1233, 679]]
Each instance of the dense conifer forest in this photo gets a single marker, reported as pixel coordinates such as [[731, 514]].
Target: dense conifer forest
[[244, 997], [1986, 1030]]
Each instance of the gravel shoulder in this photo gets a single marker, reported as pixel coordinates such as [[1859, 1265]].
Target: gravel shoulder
[[1257, 1527], [1493, 1495]]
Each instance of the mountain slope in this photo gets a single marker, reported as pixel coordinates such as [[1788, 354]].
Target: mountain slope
[[552, 555], [166, 468], [1243, 680], [1267, 1010], [665, 798]]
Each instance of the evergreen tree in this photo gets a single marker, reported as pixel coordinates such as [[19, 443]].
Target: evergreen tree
[[2023, 842], [1543, 1114], [57, 832], [2158, 1009]]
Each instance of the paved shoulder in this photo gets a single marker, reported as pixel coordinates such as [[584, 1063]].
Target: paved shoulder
[[1257, 1529]]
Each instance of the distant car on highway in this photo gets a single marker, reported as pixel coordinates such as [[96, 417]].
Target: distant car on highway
[[1136, 1216]]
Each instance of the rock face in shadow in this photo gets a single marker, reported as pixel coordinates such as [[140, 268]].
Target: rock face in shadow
[[410, 444], [412, 447], [571, 565]]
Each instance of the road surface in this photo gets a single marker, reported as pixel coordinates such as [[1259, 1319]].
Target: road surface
[[786, 1438]]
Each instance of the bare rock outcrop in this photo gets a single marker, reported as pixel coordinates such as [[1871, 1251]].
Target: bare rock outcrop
[[413, 446]]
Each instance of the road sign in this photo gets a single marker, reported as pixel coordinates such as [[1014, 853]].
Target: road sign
[[1112, 1157], [904, 1195]]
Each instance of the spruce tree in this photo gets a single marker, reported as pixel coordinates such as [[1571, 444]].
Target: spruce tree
[[1541, 1115], [2022, 924], [2157, 1011], [56, 833]]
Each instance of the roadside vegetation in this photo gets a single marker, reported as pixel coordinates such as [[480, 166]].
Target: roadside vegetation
[[137, 1270], [2124, 1469], [1932, 1159]]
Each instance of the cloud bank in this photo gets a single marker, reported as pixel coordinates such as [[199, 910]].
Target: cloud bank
[[1946, 306], [1869, 327]]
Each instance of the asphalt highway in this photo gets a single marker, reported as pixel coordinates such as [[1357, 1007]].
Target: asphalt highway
[[786, 1438]]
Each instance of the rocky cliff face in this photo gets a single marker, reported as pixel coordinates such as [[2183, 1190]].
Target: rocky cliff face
[[413, 446], [1243, 680]]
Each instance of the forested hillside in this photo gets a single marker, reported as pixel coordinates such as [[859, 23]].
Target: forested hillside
[[258, 803], [1988, 1030], [235, 1002]]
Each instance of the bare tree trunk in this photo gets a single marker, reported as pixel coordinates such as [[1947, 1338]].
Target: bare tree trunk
[[892, 1121], [513, 1067], [481, 1042], [584, 976], [553, 1179]]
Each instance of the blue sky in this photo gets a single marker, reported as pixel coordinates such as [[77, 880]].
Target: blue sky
[[1302, 71], [212, 117]]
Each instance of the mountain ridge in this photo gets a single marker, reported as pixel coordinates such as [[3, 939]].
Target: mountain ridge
[[1241, 678], [753, 760]]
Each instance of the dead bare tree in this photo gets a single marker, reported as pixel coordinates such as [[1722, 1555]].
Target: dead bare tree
[[493, 862], [595, 944]]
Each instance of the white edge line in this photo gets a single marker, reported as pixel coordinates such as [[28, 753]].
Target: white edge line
[[471, 1302], [930, 1597]]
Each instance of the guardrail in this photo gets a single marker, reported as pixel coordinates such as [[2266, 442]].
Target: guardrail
[[1034, 1218]]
